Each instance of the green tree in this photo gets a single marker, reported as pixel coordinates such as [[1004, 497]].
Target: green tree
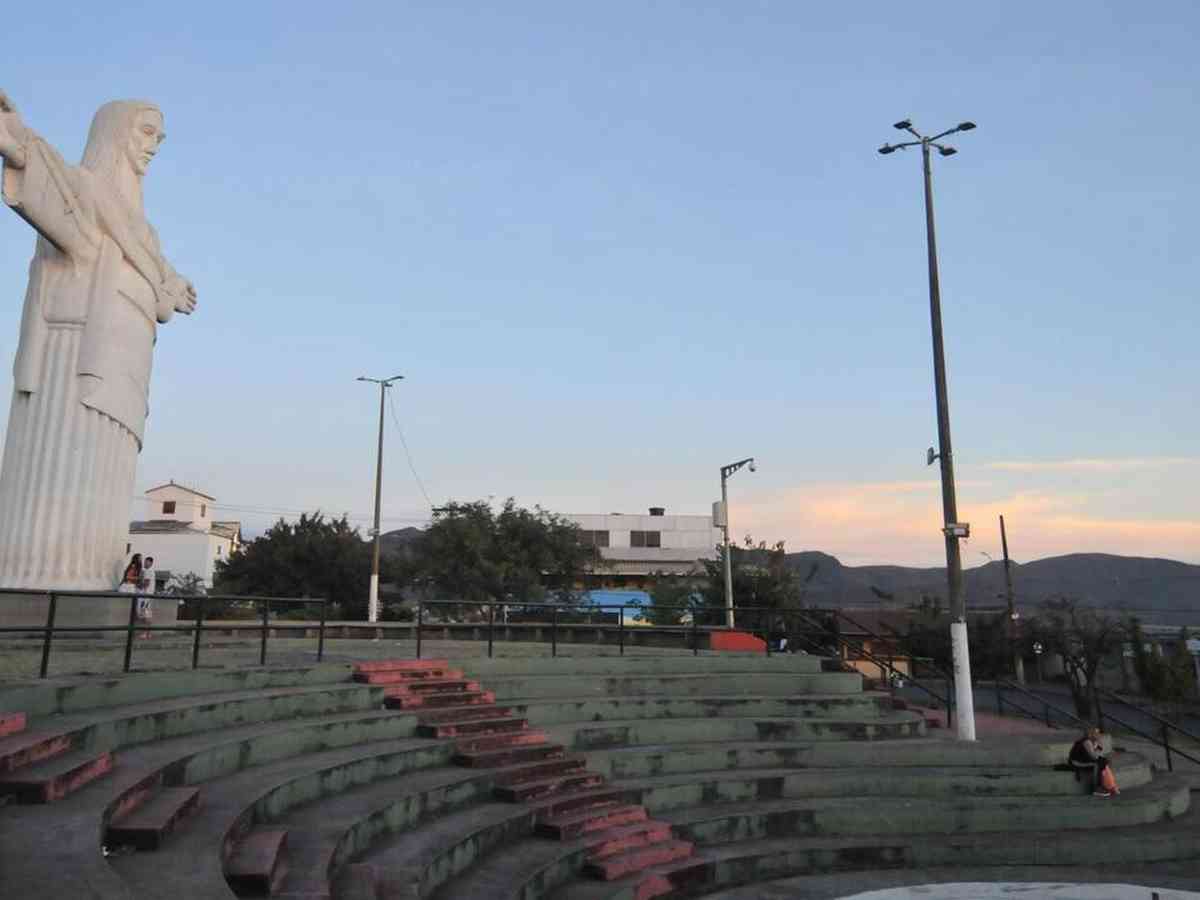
[[762, 583], [311, 557], [672, 598], [1084, 637], [1166, 678], [473, 553]]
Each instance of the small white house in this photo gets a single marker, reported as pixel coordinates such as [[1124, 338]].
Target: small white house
[[182, 535], [635, 547]]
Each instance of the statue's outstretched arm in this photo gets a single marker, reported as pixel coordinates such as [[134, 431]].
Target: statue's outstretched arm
[[13, 134], [42, 189]]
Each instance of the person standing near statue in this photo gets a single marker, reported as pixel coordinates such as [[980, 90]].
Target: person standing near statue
[[98, 288]]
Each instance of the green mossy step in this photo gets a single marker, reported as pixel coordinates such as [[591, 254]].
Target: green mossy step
[[147, 826], [707, 684], [575, 666]]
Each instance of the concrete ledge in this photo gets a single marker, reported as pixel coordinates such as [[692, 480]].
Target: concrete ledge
[[574, 666], [620, 733], [59, 696], [563, 710], [637, 684]]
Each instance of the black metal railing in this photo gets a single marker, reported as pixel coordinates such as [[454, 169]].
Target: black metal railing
[[1165, 727], [1102, 719], [134, 625]]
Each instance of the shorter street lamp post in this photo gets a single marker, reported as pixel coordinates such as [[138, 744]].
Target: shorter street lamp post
[[726, 471], [373, 595]]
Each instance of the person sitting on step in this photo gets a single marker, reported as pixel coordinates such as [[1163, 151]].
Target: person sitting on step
[[1087, 755]]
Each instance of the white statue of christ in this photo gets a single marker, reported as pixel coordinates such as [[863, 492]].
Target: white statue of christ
[[98, 286]]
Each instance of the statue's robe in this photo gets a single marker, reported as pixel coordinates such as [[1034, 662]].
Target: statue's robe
[[97, 287]]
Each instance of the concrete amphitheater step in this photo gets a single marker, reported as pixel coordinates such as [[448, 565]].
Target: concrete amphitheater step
[[540, 769], [604, 734], [559, 783], [424, 687], [749, 861], [403, 676], [636, 684], [255, 867], [191, 864], [126, 725], [51, 779], [637, 859], [635, 760], [495, 739], [147, 826], [67, 696], [509, 756], [551, 711], [72, 864], [576, 666]]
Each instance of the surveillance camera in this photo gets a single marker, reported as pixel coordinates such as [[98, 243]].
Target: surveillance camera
[[753, 467]]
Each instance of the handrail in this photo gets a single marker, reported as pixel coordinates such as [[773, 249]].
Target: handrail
[[1146, 712], [133, 626], [896, 636], [1164, 742], [1046, 704]]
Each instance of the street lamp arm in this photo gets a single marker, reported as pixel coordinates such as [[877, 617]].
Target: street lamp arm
[[728, 470]]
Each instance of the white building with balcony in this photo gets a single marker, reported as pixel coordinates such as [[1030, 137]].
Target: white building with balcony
[[635, 547], [182, 535]]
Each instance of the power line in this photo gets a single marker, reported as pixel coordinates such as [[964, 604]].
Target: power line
[[407, 454]]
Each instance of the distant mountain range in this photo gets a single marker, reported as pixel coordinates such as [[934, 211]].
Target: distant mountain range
[[1160, 591]]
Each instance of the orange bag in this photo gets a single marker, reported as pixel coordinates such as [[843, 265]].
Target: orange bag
[[1109, 781]]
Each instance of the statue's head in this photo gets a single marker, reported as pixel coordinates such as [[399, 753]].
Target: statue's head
[[124, 133]]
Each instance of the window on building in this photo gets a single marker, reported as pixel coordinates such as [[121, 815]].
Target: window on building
[[645, 539], [168, 507], [203, 510], [128, 547], [593, 538]]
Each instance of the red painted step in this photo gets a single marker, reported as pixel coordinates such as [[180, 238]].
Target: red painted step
[[637, 859], [458, 698], [54, 779], [405, 665], [430, 686], [590, 820], [611, 841], [11, 723], [540, 788], [402, 676], [146, 827], [542, 768], [462, 714], [478, 728], [29, 747], [256, 865], [504, 735], [508, 756]]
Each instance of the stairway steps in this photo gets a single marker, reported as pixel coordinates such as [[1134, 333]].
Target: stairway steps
[[489, 726], [26, 748], [57, 777], [11, 723], [255, 867], [147, 827], [461, 714], [429, 687], [498, 739], [415, 666], [401, 676], [507, 756], [612, 841], [637, 859], [457, 698], [541, 769], [540, 788], [595, 818]]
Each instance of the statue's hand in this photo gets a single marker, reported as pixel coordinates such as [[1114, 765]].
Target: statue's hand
[[12, 133], [186, 294]]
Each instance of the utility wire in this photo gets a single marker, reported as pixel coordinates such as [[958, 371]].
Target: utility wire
[[407, 454]]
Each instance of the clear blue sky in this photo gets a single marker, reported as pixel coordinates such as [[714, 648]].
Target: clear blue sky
[[613, 246]]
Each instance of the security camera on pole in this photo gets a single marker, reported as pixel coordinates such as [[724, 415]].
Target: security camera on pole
[[723, 523], [952, 529]]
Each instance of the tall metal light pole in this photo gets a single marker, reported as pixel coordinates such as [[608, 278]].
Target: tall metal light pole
[[373, 596], [726, 471], [952, 528]]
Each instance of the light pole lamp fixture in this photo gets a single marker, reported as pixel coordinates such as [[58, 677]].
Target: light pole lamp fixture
[[726, 471]]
